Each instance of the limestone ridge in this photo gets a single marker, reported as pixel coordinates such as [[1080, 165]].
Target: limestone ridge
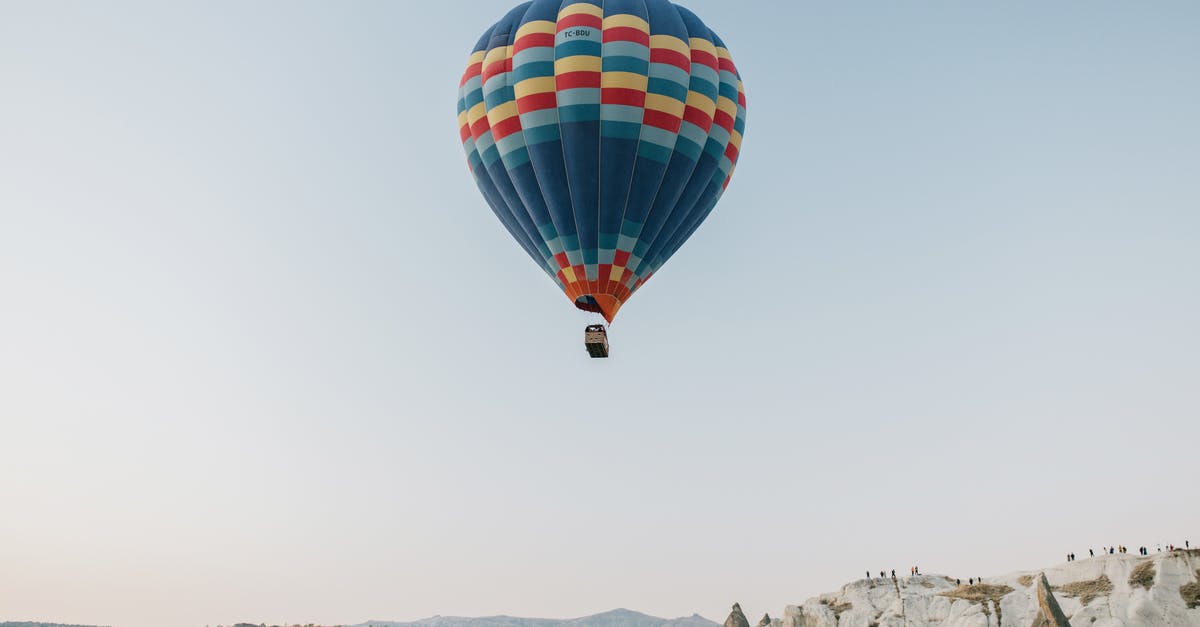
[[1049, 613], [1118, 590], [736, 618], [766, 621]]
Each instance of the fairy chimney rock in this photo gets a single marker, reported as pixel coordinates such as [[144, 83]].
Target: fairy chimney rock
[[1049, 614], [736, 618]]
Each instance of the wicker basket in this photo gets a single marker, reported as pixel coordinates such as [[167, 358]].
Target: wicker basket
[[595, 338]]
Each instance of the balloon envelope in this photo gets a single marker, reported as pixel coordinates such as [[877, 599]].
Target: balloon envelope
[[601, 133]]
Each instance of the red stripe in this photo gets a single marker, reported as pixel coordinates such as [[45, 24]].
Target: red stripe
[[742, 99], [621, 258], [661, 119], [731, 152], [603, 271], [506, 127], [479, 127], [704, 58], [464, 132], [537, 102], [497, 67], [579, 20], [472, 71], [572, 80], [723, 120], [561, 260], [667, 56], [623, 96], [698, 117], [727, 65], [626, 33], [533, 40]]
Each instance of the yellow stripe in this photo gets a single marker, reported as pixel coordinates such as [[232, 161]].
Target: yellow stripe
[[499, 53], [462, 119], [581, 7], [727, 105], [578, 63], [502, 112], [532, 86], [476, 113], [476, 57], [616, 273], [625, 80], [538, 26], [701, 102], [722, 53], [735, 138], [666, 104], [569, 272], [703, 44], [625, 19], [671, 43]]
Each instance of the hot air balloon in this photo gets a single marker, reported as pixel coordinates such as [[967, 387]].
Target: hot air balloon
[[601, 133]]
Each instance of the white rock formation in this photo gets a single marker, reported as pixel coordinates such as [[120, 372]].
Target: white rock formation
[[1095, 592]]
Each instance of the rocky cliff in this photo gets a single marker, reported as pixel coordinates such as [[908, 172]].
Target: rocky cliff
[[1122, 590]]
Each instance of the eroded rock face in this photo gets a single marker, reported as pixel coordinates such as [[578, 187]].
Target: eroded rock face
[[766, 621], [1104, 591], [1049, 613], [737, 618]]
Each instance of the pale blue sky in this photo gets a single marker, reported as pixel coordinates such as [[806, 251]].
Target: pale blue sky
[[266, 355]]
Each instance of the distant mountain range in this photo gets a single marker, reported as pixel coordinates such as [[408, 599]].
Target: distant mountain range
[[1109, 590], [29, 624], [615, 618]]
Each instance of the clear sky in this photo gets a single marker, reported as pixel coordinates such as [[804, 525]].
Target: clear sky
[[266, 355]]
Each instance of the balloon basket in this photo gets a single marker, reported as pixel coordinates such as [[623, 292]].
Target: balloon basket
[[595, 339]]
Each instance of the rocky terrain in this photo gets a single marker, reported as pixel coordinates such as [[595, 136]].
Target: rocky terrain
[[1121, 590]]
